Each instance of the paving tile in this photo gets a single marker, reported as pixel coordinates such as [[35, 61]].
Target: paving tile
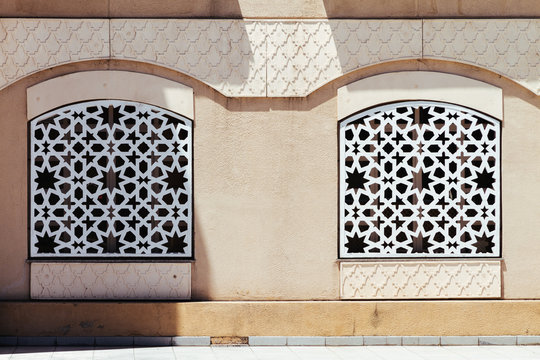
[[33, 352], [393, 340], [267, 340], [513, 352], [528, 340], [75, 341], [152, 340], [354, 353], [191, 340], [393, 352], [475, 352], [151, 353], [306, 340], [497, 340], [344, 340], [432, 352], [114, 340], [110, 353], [313, 353], [273, 352], [374, 340], [8, 340], [193, 352], [459, 340], [6, 351], [224, 352], [36, 340], [73, 352], [420, 340]]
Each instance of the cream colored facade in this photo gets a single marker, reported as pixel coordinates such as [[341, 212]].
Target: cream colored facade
[[266, 85]]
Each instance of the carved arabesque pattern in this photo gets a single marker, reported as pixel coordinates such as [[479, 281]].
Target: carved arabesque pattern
[[419, 179], [271, 58], [98, 281], [30, 45], [110, 178], [417, 280], [228, 55], [508, 47], [304, 55]]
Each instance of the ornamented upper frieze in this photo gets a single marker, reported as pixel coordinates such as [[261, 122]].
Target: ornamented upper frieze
[[275, 58]]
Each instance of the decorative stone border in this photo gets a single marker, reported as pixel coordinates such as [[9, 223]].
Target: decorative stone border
[[68, 280], [420, 279], [274, 58], [269, 340]]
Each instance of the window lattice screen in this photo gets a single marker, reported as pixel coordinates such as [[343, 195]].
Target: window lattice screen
[[110, 178], [419, 179]]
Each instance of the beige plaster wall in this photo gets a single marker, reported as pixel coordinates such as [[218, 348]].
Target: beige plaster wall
[[271, 9], [265, 181]]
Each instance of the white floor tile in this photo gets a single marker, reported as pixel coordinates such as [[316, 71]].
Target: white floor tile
[[33, 352], [513, 352], [69, 353], [151, 353], [354, 353], [476, 352], [233, 352], [273, 353], [433, 353], [313, 352], [113, 354], [393, 352], [6, 351]]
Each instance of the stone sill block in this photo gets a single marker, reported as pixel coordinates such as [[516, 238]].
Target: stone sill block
[[142, 341]]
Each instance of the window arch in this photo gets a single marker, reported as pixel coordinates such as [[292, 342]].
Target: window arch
[[110, 178], [419, 179]]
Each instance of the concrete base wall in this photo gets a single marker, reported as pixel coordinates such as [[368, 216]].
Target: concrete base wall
[[322, 318]]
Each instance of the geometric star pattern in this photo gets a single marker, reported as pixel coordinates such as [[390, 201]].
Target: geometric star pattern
[[419, 179], [111, 178]]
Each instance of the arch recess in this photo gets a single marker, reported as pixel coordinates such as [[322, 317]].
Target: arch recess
[[419, 85], [109, 85]]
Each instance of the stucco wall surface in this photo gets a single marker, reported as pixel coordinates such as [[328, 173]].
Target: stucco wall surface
[[265, 187]]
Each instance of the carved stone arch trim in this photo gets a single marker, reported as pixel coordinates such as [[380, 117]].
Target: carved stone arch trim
[[420, 85], [109, 85]]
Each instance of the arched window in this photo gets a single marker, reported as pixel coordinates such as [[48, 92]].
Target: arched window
[[419, 179], [110, 178]]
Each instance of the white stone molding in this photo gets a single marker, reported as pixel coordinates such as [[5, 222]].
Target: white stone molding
[[109, 85], [419, 85], [168, 281], [228, 55], [420, 279], [508, 47], [31, 45], [304, 55], [274, 58]]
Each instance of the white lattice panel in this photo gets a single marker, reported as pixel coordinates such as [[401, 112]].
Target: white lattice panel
[[420, 280], [110, 178], [419, 179]]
